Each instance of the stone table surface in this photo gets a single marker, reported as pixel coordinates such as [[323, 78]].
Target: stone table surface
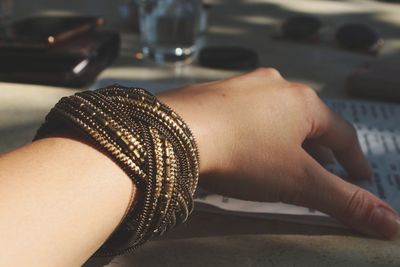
[[226, 240]]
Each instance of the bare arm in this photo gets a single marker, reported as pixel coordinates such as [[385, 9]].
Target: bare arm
[[59, 201]]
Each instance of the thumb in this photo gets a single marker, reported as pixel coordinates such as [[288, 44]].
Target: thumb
[[346, 202]]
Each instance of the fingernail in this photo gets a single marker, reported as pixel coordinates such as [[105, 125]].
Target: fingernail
[[385, 222]]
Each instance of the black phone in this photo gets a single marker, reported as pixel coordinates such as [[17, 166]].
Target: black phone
[[45, 31]]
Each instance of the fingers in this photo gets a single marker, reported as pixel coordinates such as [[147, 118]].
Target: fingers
[[346, 202], [332, 131], [320, 153]]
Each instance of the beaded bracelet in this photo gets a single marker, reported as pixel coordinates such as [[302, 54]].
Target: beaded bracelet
[[153, 146]]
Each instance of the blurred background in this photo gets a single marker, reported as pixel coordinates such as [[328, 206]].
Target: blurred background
[[255, 25]]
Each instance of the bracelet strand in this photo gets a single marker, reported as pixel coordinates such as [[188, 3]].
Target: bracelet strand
[[151, 144]]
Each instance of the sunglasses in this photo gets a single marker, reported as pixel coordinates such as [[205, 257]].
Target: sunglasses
[[354, 37]]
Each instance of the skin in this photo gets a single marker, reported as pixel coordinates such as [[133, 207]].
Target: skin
[[259, 138]]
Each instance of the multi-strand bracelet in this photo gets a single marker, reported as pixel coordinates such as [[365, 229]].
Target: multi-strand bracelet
[[150, 142]]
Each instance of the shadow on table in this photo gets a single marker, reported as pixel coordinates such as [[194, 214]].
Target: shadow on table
[[261, 250], [206, 226]]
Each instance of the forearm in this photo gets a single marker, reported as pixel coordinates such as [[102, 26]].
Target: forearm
[[59, 201]]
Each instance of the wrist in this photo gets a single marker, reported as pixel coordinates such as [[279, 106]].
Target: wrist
[[203, 128]]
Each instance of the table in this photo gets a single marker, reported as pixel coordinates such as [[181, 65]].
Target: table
[[221, 240]]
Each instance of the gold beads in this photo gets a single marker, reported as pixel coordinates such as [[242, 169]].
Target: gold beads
[[150, 142]]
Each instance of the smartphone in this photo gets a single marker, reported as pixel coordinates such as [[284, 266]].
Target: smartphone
[[45, 31]]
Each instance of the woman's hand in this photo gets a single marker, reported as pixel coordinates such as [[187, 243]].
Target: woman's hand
[[252, 132]]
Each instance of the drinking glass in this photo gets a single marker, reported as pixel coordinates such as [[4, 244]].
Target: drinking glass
[[5, 10], [169, 29]]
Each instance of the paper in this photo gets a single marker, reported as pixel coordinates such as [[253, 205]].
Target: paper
[[378, 129]]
